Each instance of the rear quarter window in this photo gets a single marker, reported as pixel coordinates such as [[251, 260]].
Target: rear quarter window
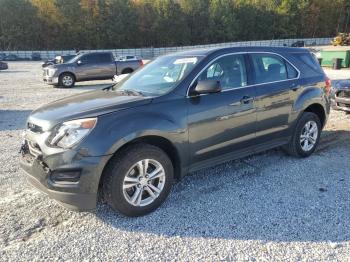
[[308, 64]]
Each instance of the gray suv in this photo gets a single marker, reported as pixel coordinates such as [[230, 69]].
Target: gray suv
[[180, 113]]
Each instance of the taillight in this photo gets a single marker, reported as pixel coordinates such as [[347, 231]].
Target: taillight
[[141, 62], [328, 86]]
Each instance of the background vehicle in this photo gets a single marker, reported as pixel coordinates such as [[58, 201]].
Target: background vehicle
[[58, 60], [340, 95], [179, 113], [3, 66], [11, 57], [36, 56], [90, 66], [298, 44], [127, 58]]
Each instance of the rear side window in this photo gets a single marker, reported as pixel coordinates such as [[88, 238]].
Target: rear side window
[[271, 68], [97, 58], [291, 71]]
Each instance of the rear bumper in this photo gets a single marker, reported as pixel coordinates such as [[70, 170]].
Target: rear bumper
[[77, 195]]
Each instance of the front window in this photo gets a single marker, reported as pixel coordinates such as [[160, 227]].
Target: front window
[[74, 59], [230, 70], [160, 76]]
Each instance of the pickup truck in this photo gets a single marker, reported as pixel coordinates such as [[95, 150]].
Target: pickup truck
[[86, 67]]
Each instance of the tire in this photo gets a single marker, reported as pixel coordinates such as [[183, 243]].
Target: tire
[[127, 71], [298, 148], [121, 195], [66, 80]]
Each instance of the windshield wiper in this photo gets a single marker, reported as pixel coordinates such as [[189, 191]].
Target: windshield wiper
[[130, 92], [109, 87]]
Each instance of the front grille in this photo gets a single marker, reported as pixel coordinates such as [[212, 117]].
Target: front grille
[[343, 93], [343, 105], [34, 128], [46, 72]]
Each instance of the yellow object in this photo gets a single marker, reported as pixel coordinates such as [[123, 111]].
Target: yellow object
[[341, 39]]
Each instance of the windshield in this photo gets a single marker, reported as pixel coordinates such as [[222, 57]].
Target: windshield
[[160, 76], [74, 59]]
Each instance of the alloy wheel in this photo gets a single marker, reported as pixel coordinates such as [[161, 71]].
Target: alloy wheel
[[144, 182], [309, 134], [67, 80]]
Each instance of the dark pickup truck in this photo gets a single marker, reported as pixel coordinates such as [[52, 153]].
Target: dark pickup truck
[[86, 67]]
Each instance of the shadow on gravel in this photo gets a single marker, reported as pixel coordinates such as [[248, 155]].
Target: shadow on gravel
[[267, 197], [13, 119]]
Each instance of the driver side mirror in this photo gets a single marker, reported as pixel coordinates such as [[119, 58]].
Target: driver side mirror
[[207, 87]]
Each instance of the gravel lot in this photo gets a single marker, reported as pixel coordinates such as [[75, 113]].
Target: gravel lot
[[265, 207]]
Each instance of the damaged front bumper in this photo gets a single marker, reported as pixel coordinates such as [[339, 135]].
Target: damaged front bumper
[[66, 176]]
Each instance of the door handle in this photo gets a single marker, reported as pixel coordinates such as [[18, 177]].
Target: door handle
[[246, 99]]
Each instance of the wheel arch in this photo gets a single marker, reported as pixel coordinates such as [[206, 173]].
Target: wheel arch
[[312, 100], [127, 70], [319, 110], [161, 142], [68, 72]]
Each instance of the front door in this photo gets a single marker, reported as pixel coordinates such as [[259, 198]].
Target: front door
[[222, 123], [87, 68]]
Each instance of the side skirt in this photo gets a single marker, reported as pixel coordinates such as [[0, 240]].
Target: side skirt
[[238, 154]]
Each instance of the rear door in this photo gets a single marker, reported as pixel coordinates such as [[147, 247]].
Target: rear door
[[96, 66], [222, 123], [276, 80], [106, 65]]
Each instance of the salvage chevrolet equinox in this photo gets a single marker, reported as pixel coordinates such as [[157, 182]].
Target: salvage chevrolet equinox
[[180, 113]]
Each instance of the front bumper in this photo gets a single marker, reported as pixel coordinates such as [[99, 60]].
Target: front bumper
[[50, 80], [76, 195], [340, 101]]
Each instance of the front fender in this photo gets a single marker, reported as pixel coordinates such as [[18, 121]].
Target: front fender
[[116, 129], [149, 125]]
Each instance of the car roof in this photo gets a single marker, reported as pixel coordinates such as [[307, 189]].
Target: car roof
[[209, 51]]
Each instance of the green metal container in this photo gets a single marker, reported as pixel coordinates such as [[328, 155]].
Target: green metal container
[[328, 56]]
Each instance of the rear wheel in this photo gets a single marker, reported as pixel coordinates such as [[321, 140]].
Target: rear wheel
[[66, 80], [138, 180], [306, 136]]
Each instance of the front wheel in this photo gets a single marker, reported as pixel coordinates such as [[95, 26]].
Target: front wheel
[[66, 80], [138, 180], [306, 136]]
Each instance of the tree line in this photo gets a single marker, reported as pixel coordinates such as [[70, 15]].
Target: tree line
[[110, 24]]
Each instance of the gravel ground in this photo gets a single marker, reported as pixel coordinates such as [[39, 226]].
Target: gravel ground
[[265, 207]]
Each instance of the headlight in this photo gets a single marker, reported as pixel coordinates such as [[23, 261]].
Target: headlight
[[52, 71], [70, 133]]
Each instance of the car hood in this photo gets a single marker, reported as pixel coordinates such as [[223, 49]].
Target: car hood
[[341, 84], [89, 104], [59, 66]]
